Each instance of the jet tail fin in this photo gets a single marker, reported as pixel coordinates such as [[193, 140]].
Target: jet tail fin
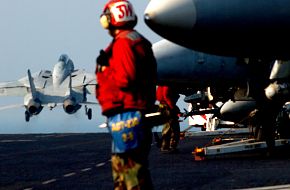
[[31, 83], [70, 85]]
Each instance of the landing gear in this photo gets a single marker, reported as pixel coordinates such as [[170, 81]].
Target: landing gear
[[27, 116], [88, 112]]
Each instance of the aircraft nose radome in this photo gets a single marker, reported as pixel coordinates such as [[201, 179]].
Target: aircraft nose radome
[[171, 14]]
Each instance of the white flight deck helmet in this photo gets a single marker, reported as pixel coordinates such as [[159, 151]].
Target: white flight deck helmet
[[118, 14]]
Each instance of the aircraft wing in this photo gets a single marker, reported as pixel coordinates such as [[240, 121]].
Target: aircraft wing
[[41, 79], [14, 88], [80, 78], [89, 103], [22, 86]]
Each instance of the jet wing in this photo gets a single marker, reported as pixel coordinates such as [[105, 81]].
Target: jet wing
[[91, 89], [80, 78], [14, 88], [41, 79], [89, 103], [22, 86]]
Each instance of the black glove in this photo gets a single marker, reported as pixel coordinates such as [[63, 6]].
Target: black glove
[[102, 59]]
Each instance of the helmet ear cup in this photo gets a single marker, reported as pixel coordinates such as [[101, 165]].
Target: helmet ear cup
[[105, 21]]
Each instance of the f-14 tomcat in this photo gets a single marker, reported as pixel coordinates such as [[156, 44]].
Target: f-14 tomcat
[[62, 86]]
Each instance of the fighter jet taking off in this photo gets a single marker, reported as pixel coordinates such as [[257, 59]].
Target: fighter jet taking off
[[63, 86]]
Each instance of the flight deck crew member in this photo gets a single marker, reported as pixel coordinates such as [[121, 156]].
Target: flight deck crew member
[[126, 73], [168, 98]]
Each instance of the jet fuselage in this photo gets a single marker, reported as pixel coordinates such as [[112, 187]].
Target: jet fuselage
[[243, 28]]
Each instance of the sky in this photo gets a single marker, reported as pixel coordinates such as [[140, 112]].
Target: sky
[[34, 33]]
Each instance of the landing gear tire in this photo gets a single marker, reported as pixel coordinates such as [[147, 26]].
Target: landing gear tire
[[27, 116], [89, 113]]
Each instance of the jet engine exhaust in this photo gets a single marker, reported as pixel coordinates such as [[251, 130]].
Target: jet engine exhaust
[[70, 106], [34, 107]]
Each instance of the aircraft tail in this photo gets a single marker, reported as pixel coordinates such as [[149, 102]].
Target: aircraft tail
[[31, 83], [70, 85]]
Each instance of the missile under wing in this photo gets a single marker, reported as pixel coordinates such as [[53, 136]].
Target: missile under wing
[[187, 69], [183, 67]]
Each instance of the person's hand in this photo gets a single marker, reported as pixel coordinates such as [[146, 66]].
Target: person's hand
[[103, 68], [102, 59]]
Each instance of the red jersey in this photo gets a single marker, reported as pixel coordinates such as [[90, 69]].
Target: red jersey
[[129, 82], [166, 95]]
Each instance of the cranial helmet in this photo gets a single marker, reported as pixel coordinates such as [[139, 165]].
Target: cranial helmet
[[118, 14]]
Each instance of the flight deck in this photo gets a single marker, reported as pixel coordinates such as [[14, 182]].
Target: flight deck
[[82, 161]]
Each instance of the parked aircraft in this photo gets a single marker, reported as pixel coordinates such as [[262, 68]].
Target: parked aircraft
[[190, 72], [242, 28], [62, 86], [251, 30], [231, 80]]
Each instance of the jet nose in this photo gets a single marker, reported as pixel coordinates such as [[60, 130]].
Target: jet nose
[[164, 16]]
